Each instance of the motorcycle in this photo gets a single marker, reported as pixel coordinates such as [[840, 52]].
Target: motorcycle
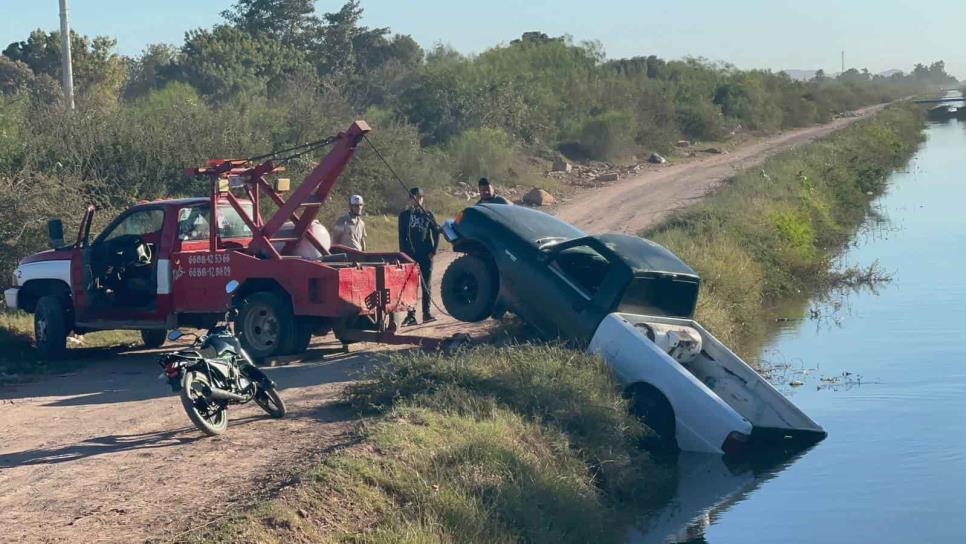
[[215, 372]]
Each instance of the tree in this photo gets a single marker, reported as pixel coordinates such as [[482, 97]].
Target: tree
[[97, 69], [341, 36], [156, 66], [15, 76], [226, 61], [293, 22], [534, 37], [384, 71]]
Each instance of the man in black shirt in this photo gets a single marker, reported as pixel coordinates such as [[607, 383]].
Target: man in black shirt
[[488, 194], [419, 238]]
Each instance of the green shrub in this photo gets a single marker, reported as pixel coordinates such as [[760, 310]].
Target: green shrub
[[482, 152], [608, 135], [700, 121], [795, 229]]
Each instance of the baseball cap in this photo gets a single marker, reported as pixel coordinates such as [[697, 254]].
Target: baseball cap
[[416, 191], [356, 200]]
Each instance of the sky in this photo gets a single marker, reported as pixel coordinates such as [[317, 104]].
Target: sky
[[777, 34]]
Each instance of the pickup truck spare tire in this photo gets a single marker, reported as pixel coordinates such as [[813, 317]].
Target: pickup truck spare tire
[[469, 289], [50, 327], [265, 325]]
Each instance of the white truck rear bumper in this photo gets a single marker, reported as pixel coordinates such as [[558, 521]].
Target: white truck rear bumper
[[10, 297]]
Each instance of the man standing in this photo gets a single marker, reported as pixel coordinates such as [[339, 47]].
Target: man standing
[[419, 238], [488, 194], [350, 229]]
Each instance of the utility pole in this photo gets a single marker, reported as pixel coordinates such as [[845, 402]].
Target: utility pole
[[843, 60], [65, 55]]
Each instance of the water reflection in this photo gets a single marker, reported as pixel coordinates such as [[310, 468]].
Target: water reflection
[[707, 487]]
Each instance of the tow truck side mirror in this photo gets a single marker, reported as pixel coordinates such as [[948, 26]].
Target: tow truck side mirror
[[55, 233]]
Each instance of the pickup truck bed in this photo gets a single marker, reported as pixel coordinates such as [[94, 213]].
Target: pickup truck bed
[[712, 394]]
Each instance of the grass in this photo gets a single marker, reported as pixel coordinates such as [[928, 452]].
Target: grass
[[772, 232], [529, 443]]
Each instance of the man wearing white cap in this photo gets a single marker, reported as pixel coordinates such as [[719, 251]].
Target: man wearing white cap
[[350, 229]]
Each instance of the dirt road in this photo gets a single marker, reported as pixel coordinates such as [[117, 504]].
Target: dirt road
[[636, 203], [107, 454]]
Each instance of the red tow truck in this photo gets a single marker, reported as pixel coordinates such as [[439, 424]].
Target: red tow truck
[[164, 264]]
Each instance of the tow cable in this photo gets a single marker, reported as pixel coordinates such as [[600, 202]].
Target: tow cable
[[419, 206]]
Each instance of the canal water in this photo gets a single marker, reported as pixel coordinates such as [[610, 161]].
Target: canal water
[[884, 372]]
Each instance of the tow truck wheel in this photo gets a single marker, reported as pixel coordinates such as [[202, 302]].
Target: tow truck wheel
[[265, 325], [50, 327], [153, 338], [303, 335], [469, 289]]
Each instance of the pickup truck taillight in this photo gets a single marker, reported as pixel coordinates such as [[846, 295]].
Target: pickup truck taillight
[[735, 443]]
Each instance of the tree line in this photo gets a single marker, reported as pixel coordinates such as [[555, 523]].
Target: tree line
[[274, 73]]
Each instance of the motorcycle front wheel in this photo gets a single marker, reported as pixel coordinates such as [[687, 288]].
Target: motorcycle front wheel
[[269, 400], [209, 417]]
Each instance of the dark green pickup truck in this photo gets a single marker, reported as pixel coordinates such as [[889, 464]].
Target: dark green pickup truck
[[556, 277]]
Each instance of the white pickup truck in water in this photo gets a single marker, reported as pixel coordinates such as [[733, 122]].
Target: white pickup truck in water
[[689, 386], [633, 302]]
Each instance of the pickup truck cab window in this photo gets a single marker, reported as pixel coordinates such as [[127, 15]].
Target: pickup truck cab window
[[139, 223], [193, 222], [583, 267]]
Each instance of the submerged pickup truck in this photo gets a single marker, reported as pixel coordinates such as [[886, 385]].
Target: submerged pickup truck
[[632, 302]]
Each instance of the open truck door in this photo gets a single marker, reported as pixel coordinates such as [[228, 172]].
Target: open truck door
[[118, 278]]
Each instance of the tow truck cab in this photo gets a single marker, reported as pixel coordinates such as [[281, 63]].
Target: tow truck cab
[[164, 264]]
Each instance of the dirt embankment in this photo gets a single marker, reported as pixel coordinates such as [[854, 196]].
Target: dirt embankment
[[106, 454]]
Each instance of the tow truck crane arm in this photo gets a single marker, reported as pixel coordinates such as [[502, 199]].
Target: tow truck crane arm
[[309, 196]]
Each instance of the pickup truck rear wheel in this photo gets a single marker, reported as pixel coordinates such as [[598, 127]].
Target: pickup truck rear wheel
[[153, 338], [469, 289], [654, 410], [50, 327], [265, 325]]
